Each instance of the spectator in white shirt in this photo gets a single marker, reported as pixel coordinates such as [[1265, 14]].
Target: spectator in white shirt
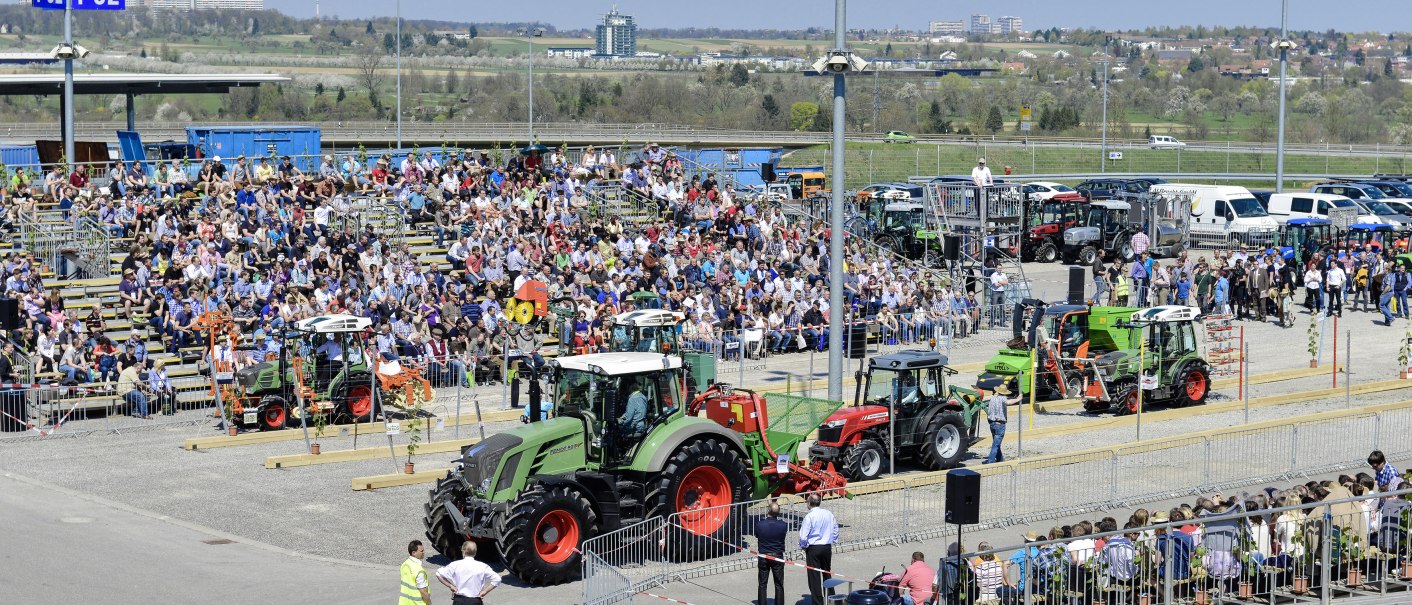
[[980, 175], [469, 579]]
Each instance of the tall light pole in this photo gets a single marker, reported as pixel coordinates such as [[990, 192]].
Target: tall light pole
[[836, 325], [530, 35], [69, 82], [1283, 45], [1103, 154], [399, 74]]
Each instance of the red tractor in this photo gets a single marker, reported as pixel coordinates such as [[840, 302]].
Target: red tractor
[[1047, 219], [934, 424]]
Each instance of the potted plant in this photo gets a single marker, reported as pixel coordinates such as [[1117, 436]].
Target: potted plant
[[414, 431], [1097, 579], [1245, 587], [1313, 347], [1301, 572], [320, 423], [228, 405], [1350, 552], [1404, 353], [1199, 575]]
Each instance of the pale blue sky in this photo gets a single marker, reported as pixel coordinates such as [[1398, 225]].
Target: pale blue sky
[[1359, 15]]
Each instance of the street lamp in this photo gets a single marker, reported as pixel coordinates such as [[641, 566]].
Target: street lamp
[[1283, 45], [530, 35]]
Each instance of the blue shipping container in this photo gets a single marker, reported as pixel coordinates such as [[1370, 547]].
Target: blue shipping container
[[302, 143], [741, 166], [20, 156]]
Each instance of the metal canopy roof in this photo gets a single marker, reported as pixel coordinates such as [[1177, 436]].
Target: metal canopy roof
[[137, 84]]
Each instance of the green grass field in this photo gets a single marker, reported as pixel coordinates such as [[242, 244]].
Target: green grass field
[[867, 163]]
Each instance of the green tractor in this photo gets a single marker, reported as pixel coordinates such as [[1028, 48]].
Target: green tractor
[[537, 492], [1161, 364], [1067, 335], [323, 358]]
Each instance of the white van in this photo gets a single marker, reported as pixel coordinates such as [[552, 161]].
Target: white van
[[1221, 209], [1286, 206], [1164, 142]]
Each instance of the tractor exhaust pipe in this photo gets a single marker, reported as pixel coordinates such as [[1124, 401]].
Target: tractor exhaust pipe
[[534, 397]]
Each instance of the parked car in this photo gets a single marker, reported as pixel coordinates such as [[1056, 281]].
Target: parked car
[[1043, 190], [1157, 141], [897, 136], [1367, 196]]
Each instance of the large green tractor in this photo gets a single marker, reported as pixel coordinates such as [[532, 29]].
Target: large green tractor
[[1065, 334], [1162, 364], [604, 462]]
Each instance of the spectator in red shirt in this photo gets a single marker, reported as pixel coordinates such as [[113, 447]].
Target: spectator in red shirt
[[916, 583]]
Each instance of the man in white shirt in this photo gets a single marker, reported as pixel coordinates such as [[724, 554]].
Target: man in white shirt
[[1334, 280], [980, 175], [469, 579]]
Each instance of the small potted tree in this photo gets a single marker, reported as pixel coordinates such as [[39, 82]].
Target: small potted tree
[[1199, 576], [320, 424], [228, 405], [1350, 550], [1404, 353], [1313, 347], [414, 430], [1305, 566], [1245, 587]]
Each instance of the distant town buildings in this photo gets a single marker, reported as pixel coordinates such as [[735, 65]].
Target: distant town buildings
[[617, 35], [191, 5], [1010, 25], [569, 52], [981, 24], [948, 27]]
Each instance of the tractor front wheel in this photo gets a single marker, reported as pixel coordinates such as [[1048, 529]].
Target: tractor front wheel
[[1046, 253], [441, 530], [944, 446], [696, 493], [274, 414], [353, 398], [1125, 400], [863, 461], [1087, 255], [543, 532]]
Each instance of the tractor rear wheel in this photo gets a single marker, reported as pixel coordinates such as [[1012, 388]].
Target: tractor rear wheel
[[440, 529], [1194, 386], [274, 413], [353, 398], [1046, 253], [944, 446], [696, 493], [543, 532], [863, 461]]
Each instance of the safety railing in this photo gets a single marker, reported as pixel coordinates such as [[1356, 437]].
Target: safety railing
[[706, 542], [1229, 240], [1281, 548], [44, 411]]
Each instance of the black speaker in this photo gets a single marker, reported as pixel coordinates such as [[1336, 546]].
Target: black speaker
[[9, 313], [767, 172], [951, 247], [1076, 284], [856, 341], [963, 497]]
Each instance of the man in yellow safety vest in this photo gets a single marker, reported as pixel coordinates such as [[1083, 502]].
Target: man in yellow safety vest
[[414, 589]]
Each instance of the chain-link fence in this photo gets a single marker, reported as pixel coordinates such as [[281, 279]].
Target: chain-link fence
[[698, 543]]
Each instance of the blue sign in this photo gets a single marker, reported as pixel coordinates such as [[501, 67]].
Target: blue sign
[[82, 5]]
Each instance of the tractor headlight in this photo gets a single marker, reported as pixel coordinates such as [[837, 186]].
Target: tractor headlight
[[485, 485], [833, 424]]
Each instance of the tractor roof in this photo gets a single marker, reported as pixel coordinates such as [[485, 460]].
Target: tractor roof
[[1064, 309], [902, 207], [1166, 313], [1309, 222], [333, 324], [908, 360], [1112, 204], [618, 364], [648, 318]]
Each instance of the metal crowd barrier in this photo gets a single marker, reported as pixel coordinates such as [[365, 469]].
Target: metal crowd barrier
[[53, 411], [657, 551]]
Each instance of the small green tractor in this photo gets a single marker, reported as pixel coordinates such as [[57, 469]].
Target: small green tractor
[[603, 462], [904, 394], [1161, 364], [323, 357], [1067, 336]]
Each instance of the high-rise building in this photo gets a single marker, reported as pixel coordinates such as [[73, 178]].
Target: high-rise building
[[191, 5], [980, 24], [1011, 25], [948, 27], [617, 35]]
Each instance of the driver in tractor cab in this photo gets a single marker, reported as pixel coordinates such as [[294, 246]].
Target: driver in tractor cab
[[648, 342], [633, 423], [1073, 336], [907, 390]]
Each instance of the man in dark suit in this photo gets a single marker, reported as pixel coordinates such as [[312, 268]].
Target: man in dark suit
[[770, 534]]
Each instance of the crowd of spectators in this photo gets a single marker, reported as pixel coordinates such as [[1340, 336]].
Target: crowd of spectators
[[1215, 541], [271, 244]]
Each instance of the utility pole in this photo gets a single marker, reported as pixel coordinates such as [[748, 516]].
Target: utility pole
[[877, 102], [836, 325], [1284, 45], [399, 74], [69, 83], [1103, 157]]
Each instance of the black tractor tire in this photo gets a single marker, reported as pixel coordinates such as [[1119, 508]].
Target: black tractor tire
[[1087, 255], [1046, 253], [543, 531], [1193, 385], [1125, 400], [440, 529], [274, 413], [354, 399], [944, 444], [1125, 252], [706, 480], [864, 461]]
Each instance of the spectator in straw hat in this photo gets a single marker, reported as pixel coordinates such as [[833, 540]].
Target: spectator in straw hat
[[996, 416]]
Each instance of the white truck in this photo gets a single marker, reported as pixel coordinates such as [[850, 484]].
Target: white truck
[[1224, 213]]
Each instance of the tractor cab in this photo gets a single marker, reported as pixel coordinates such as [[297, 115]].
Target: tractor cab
[[903, 229], [1367, 234], [647, 331], [1107, 226], [620, 397], [902, 218], [1166, 366], [1046, 222], [903, 384], [1300, 238]]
